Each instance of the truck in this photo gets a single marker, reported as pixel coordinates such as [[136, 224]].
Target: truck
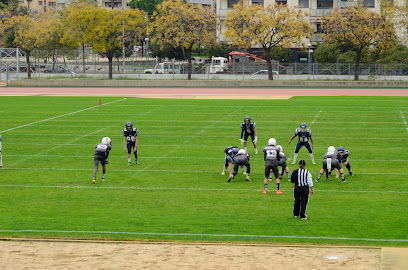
[[224, 65], [168, 68]]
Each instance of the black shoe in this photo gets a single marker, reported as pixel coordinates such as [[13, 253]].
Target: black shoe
[[344, 180], [317, 180], [247, 179], [106, 162], [230, 178], [351, 173]]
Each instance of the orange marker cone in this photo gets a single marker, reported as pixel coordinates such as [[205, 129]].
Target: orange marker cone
[[100, 102]]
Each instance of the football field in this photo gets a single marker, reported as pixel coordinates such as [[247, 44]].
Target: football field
[[177, 191]]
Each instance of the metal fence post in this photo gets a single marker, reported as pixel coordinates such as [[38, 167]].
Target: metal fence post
[[349, 70], [7, 74], [18, 63]]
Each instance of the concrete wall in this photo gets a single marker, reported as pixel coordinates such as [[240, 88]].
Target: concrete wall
[[207, 83]]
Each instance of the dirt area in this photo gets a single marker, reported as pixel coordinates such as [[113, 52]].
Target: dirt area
[[135, 255]]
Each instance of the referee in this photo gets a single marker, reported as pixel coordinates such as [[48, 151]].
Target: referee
[[302, 179]]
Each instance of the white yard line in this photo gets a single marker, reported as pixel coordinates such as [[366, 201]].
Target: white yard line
[[404, 120], [59, 116], [208, 235], [195, 189]]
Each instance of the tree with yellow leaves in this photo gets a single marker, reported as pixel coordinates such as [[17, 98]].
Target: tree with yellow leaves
[[269, 27], [180, 24], [357, 29], [30, 32]]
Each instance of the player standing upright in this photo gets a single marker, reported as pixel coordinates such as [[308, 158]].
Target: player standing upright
[[248, 129], [1, 160], [304, 134], [271, 157], [130, 142], [101, 149]]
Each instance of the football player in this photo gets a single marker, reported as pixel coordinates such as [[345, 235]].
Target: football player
[[130, 142], [271, 157], [282, 163], [304, 134], [241, 159], [343, 157], [101, 149], [248, 129], [1, 160], [330, 162], [230, 152]]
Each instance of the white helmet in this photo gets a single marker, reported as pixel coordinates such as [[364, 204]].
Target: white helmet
[[280, 148], [106, 141], [331, 149], [241, 151], [272, 142]]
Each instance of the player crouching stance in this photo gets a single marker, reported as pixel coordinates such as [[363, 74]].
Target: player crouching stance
[[248, 129], [230, 153], [343, 157], [330, 162], [282, 163], [271, 157], [304, 134], [1, 160], [130, 141], [241, 159], [101, 150]]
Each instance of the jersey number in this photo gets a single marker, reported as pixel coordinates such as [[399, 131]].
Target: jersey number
[[271, 154], [130, 138], [303, 139]]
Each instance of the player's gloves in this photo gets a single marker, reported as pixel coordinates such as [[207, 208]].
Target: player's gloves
[[242, 141], [255, 140]]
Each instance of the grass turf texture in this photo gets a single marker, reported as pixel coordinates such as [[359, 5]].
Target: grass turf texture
[[178, 188]]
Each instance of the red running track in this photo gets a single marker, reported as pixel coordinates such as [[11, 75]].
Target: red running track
[[202, 92]]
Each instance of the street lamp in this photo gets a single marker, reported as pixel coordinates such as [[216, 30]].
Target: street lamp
[[147, 49], [309, 60]]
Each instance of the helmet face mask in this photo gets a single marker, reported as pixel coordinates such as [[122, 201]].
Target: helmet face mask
[[341, 150], [129, 126], [247, 120], [303, 127]]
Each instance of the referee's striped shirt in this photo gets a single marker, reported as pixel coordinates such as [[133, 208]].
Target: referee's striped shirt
[[302, 178]]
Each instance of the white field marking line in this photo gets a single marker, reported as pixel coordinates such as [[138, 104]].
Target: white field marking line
[[314, 120], [403, 120], [59, 116], [193, 157], [162, 171], [201, 131], [208, 235], [256, 106], [195, 189]]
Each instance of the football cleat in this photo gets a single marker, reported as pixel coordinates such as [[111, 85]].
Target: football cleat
[[265, 191], [294, 162], [106, 162], [296, 216], [93, 181], [248, 179], [317, 180], [351, 173], [230, 178], [278, 192], [256, 151], [103, 179], [136, 162], [344, 181], [304, 218], [222, 173], [314, 162]]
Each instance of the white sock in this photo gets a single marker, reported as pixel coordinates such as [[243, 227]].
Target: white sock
[[103, 175], [1, 161], [295, 157], [245, 148], [129, 160], [311, 156], [224, 169]]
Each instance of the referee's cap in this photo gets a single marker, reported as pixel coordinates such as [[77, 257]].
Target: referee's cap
[[302, 162]]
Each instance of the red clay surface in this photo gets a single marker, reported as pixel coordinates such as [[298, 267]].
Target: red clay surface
[[202, 92]]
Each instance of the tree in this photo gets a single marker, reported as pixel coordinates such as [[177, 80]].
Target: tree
[[357, 29], [335, 53], [271, 26], [185, 25], [150, 6], [221, 49], [30, 32]]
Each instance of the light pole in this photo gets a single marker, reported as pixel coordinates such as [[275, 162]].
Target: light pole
[[309, 60], [147, 38]]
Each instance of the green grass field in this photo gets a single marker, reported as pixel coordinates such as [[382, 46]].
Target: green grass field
[[177, 191]]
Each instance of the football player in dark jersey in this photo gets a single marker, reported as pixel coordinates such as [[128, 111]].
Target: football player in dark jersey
[[343, 157], [101, 149], [241, 159], [271, 157], [248, 128], [230, 152], [130, 142], [330, 162], [304, 134]]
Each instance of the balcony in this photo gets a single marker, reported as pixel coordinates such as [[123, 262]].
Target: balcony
[[317, 37], [320, 12], [346, 4]]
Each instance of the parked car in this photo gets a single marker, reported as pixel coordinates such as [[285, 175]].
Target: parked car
[[13, 68], [58, 69], [265, 72]]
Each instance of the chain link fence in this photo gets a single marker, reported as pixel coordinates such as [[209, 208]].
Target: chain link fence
[[79, 64]]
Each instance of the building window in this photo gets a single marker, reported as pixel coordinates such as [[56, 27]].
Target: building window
[[40, 3], [231, 3], [325, 4], [258, 2], [319, 28], [369, 3], [304, 3], [281, 2]]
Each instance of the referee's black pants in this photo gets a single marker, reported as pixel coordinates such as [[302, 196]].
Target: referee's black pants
[[301, 195]]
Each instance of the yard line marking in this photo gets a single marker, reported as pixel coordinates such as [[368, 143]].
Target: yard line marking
[[208, 235], [403, 120], [317, 115], [59, 116], [195, 189], [154, 170], [190, 157]]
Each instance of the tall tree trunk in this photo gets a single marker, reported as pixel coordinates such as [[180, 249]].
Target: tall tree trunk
[[357, 65], [269, 63], [28, 64], [189, 63], [83, 57], [110, 58]]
